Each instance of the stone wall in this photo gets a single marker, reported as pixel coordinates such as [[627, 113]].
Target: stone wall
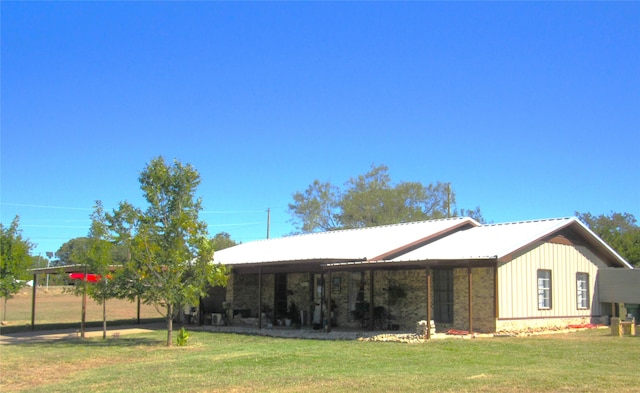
[[483, 302], [242, 291]]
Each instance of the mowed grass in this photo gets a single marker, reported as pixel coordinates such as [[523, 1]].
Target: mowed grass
[[55, 307], [585, 361]]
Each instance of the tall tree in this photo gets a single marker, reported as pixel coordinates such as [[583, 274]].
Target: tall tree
[[14, 261], [372, 199], [98, 257], [317, 208], [171, 251], [71, 252], [619, 230]]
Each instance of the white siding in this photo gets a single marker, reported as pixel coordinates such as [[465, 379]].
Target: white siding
[[518, 284]]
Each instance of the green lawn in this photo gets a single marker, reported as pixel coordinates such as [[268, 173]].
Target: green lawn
[[215, 362]]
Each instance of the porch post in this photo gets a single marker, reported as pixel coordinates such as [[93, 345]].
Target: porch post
[[470, 278], [328, 288], [428, 303], [260, 297], [323, 286], [33, 302], [371, 294]]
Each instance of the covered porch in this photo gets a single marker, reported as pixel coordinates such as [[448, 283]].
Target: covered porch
[[364, 296]]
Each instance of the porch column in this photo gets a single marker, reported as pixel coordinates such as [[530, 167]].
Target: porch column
[[428, 303], [260, 297], [470, 277], [33, 302], [328, 288], [371, 295]]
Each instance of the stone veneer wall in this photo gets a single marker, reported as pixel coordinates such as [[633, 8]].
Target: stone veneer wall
[[242, 291], [483, 300], [408, 311]]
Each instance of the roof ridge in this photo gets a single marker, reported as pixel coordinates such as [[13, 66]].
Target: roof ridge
[[529, 221], [362, 228]]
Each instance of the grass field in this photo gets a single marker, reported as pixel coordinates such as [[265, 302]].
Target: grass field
[[588, 361], [54, 307], [585, 361]]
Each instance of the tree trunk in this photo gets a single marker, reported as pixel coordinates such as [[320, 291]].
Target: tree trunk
[[169, 324], [4, 316]]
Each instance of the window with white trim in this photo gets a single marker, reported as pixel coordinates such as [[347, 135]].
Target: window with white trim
[[582, 290], [544, 289]]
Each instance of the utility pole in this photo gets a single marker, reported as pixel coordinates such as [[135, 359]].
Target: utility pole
[[268, 221]]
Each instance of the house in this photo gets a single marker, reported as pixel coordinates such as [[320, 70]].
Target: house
[[473, 277]]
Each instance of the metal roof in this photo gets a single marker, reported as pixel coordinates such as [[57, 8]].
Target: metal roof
[[496, 241], [344, 245], [456, 239]]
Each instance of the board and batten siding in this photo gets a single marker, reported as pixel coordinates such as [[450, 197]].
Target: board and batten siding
[[518, 282]]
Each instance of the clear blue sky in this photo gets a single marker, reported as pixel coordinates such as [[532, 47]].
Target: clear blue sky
[[530, 109]]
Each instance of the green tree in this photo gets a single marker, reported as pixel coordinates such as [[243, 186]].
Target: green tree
[[619, 230], [222, 240], [372, 199], [128, 283], [99, 258], [72, 251], [14, 261], [170, 250], [317, 208]]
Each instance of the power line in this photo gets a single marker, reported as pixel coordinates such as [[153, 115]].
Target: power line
[[46, 206], [231, 211]]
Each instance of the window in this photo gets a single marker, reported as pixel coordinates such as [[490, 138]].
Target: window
[[544, 289], [443, 295], [582, 287]]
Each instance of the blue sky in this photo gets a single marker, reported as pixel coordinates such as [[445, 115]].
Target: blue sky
[[531, 110]]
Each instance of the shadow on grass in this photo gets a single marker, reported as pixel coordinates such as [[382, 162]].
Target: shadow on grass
[[88, 342], [74, 325]]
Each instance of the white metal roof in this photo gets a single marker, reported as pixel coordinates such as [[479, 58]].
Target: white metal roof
[[496, 241], [344, 245]]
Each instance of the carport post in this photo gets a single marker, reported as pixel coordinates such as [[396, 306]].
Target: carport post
[[33, 302], [84, 302]]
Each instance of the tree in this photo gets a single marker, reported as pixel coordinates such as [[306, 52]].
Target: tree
[[317, 209], [14, 261], [97, 256], [222, 240], [371, 199], [619, 230], [71, 252], [170, 250]]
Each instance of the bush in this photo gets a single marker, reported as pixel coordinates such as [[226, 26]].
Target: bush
[[183, 336]]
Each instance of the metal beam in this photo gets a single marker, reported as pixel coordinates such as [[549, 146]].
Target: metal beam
[[33, 302]]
